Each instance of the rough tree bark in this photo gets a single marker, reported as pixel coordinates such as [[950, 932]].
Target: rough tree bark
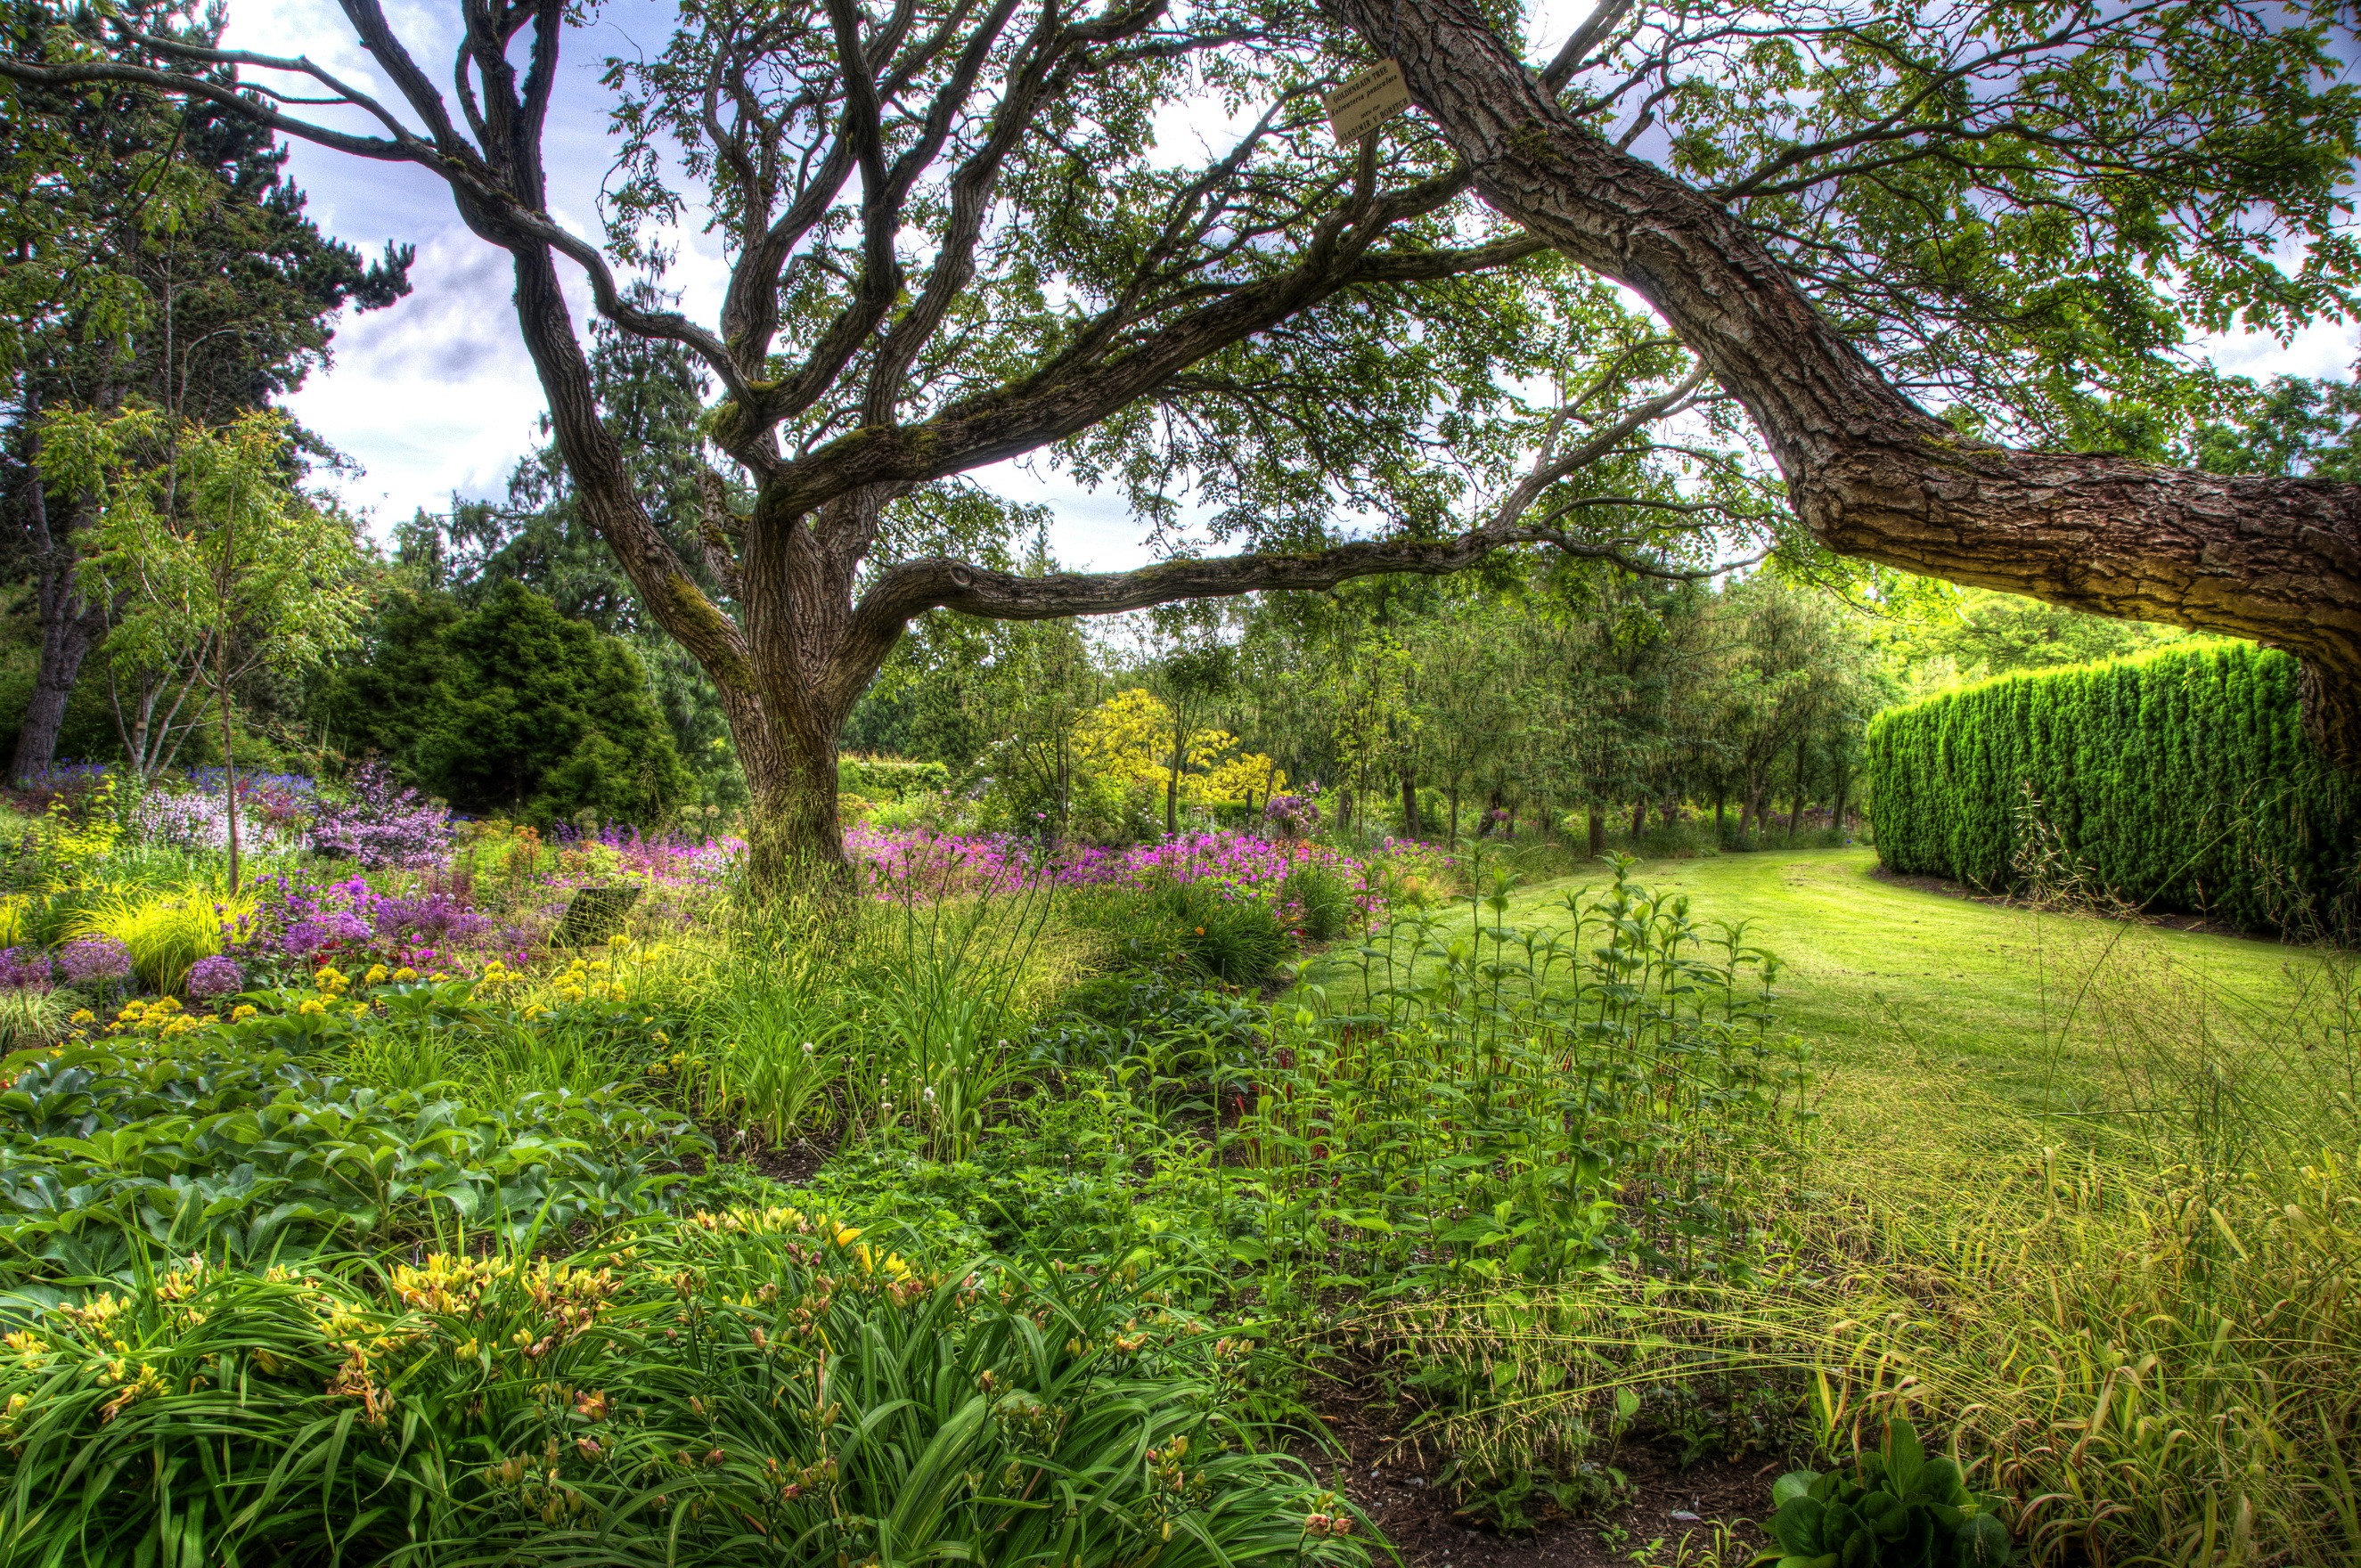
[[72, 625], [1871, 474]]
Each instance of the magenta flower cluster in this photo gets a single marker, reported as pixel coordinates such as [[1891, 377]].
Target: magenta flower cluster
[[1242, 866], [381, 823], [95, 959]]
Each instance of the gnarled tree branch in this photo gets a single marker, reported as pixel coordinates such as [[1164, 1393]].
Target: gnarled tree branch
[[1871, 474]]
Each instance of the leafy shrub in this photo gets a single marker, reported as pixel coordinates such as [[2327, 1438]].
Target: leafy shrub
[[1315, 899], [508, 706], [1894, 1508], [750, 1386], [1195, 926], [234, 1153], [890, 778]]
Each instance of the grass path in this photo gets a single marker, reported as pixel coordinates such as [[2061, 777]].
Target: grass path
[[1887, 978]]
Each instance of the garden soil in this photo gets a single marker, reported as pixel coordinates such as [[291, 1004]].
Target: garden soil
[[1667, 1503]]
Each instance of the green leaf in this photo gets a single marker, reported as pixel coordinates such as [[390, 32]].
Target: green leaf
[[1793, 1485], [1983, 1542]]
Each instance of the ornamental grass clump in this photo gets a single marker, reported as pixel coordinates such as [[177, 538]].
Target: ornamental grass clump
[[749, 1385]]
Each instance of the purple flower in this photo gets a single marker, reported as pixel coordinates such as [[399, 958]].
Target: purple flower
[[95, 958], [215, 976], [24, 969], [381, 823]]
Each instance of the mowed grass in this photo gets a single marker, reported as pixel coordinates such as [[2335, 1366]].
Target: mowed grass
[[2078, 1195], [1885, 978]]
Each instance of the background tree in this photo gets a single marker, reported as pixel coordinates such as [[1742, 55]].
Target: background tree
[[954, 240], [222, 568], [155, 252], [1923, 189]]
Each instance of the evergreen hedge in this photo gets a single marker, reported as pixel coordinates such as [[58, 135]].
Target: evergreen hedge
[[2180, 780]]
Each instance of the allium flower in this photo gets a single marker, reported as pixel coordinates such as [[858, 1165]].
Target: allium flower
[[95, 958], [215, 976], [24, 969]]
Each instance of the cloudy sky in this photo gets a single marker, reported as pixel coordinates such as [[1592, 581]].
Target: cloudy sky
[[434, 396]]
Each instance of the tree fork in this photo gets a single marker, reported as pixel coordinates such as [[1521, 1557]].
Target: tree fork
[[1871, 474]]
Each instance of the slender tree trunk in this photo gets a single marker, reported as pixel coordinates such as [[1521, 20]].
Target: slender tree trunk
[[1595, 816], [1867, 472], [1639, 821], [1719, 795], [1412, 828], [1455, 811], [1795, 806]]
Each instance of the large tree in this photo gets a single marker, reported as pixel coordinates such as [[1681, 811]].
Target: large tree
[[954, 240], [2158, 153]]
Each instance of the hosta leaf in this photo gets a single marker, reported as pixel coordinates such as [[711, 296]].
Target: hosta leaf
[[1793, 1485], [1983, 1542]]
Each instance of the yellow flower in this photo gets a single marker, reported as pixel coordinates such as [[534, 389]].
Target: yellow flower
[[308, 1008], [84, 1016], [535, 1011], [616, 993], [377, 975], [405, 973], [242, 1011], [361, 1009]]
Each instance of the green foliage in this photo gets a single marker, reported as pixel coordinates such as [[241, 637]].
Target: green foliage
[[750, 1386], [240, 1138], [1895, 1509], [2182, 781], [1973, 634], [890, 778], [1318, 901], [1193, 927], [509, 707]]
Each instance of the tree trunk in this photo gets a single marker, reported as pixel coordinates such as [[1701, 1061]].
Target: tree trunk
[[1796, 805], [71, 626], [1871, 474], [66, 642], [1837, 813], [1455, 811], [1411, 827], [1639, 821], [1596, 820], [1719, 795]]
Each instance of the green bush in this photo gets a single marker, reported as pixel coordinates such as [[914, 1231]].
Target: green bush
[[508, 708], [890, 778], [1191, 927], [1318, 901], [2182, 780], [748, 1387]]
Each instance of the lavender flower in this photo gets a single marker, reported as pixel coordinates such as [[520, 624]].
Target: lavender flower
[[94, 959], [24, 969], [215, 976], [381, 823]]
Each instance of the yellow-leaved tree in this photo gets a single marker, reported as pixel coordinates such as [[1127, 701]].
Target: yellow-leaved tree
[[1137, 739]]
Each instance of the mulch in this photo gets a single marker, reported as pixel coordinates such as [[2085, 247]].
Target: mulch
[[1421, 1519]]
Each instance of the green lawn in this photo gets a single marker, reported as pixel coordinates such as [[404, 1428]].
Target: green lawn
[[1885, 978]]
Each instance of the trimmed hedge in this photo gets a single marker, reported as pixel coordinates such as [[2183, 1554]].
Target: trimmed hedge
[[2182, 780]]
